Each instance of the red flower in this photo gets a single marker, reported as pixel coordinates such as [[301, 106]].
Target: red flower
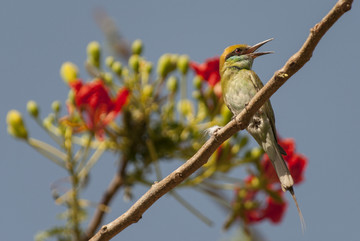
[[95, 105], [209, 70], [274, 210], [296, 163]]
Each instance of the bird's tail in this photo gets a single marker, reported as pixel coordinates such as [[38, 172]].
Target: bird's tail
[[273, 150]]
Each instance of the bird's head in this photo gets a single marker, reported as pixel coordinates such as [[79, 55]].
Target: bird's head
[[240, 56]]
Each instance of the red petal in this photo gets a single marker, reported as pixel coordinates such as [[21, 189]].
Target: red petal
[[275, 210], [297, 165], [76, 85], [269, 170], [288, 145], [121, 99], [93, 94], [253, 216], [209, 70]]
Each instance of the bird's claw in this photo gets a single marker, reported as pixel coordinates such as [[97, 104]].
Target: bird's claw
[[213, 131]]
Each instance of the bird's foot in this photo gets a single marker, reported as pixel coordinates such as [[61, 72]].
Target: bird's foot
[[213, 131]]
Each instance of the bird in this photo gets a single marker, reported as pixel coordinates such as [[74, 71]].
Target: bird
[[239, 84]]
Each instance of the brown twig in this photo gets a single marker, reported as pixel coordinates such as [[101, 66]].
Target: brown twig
[[108, 195], [241, 121]]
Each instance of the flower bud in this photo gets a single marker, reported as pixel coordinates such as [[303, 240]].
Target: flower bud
[[117, 68], [148, 66], [56, 106], [68, 72], [183, 64], [196, 94], [125, 72], [185, 134], [164, 65], [16, 125], [137, 47], [109, 61], [202, 110], [172, 84], [94, 53], [48, 121], [32, 108], [147, 91], [249, 205], [145, 69], [235, 149], [256, 153], [134, 63], [255, 183], [197, 82], [108, 78], [185, 107], [174, 60], [242, 193]]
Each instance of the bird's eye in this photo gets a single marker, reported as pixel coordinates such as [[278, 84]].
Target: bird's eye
[[238, 50]]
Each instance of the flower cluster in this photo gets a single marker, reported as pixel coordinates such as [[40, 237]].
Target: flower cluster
[[250, 208], [93, 102]]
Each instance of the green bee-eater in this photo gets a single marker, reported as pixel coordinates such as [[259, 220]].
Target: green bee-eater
[[239, 85]]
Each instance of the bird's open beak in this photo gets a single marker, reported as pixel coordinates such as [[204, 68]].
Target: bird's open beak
[[250, 51]]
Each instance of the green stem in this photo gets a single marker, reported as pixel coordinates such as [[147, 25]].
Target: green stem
[[183, 87], [227, 178], [50, 152], [85, 152], [158, 86], [154, 158], [218, 198], [79, 141], [221, 186], [189, 207], [92, 160], [53, 133], [74, 203]]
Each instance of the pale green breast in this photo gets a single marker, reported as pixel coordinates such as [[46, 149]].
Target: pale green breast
[[239, 89]]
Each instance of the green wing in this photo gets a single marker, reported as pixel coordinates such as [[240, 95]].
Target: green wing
[[267, 107]]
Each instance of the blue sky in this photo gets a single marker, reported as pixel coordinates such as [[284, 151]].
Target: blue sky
[[318, 106]]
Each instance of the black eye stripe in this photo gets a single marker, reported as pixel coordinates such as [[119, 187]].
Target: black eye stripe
[[237, 51]]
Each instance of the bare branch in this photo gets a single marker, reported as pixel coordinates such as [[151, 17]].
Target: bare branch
[[241, 121]]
